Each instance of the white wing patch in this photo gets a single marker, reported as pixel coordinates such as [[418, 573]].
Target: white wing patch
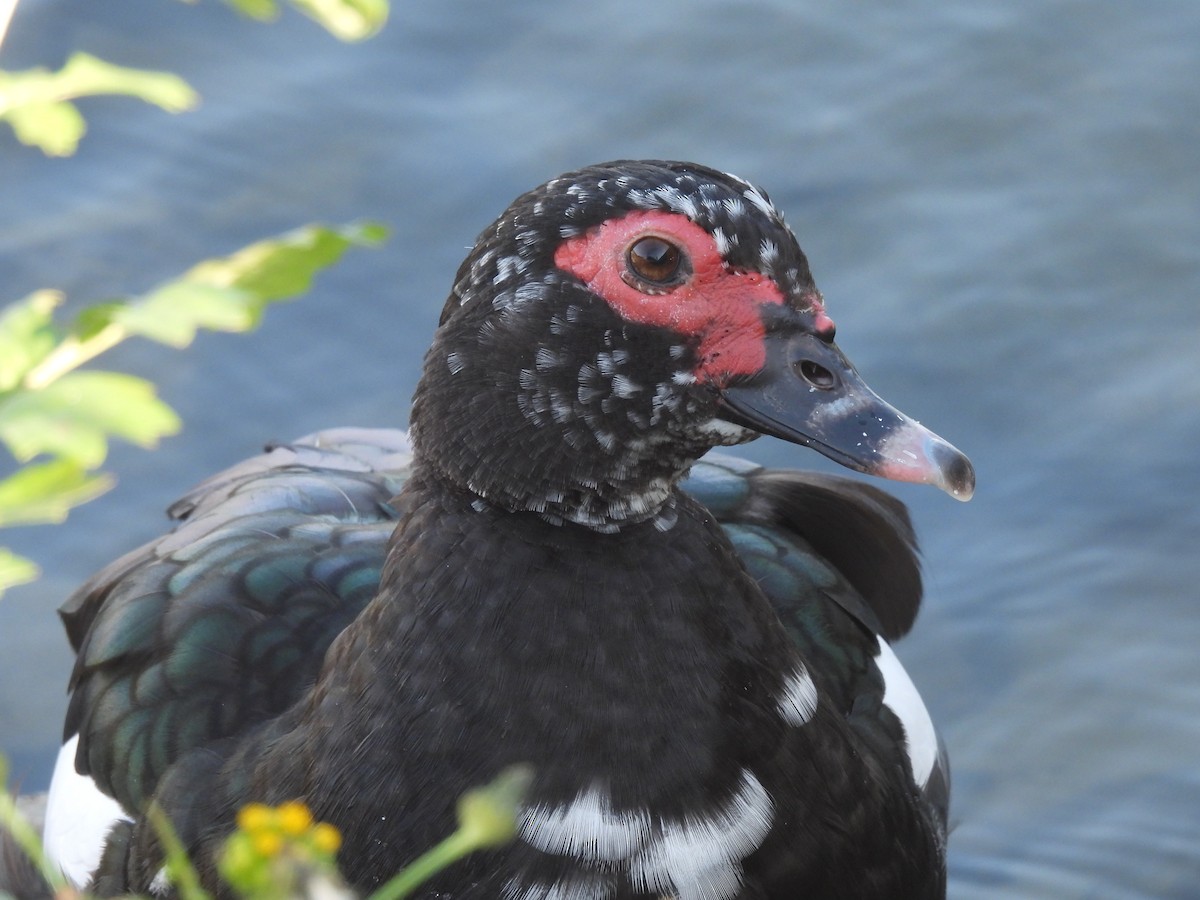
[[901, 697], [599, 889], [587, 828], [78, 818], [798, 700], [701, 858], [696, 858], [161, 885]]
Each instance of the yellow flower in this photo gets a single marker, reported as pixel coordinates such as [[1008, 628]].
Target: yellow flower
[[275, 845], [293, 818], [255, 817], [266, 843], [326, 839]]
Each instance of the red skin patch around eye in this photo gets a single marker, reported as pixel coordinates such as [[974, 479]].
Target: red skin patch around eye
[[717, 306]]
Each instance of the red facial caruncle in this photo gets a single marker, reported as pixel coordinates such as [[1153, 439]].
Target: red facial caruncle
[[703, 298]]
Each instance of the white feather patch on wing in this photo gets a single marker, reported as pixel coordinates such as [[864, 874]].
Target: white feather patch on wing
[[798, 701], [587, 828], [901, 697], [161, 885], [78, 818], [701, 857], [698, 857]]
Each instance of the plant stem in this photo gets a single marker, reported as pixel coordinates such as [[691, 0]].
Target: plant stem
[[26, 838], [179, 868], [453, 848], [71, 354]]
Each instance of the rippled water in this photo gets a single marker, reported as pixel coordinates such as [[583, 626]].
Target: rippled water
[[1000, 201]]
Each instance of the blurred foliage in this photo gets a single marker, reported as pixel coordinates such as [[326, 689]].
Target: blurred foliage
[[350, 20], [488, 816], [36, 103], [278, 852], [26, 839], [56, 422]]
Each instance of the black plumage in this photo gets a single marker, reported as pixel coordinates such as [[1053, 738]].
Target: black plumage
[[692, 673]]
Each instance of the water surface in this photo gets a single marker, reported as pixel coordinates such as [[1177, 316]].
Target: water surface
[[1000, 202]]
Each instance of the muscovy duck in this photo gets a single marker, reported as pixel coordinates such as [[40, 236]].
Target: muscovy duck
[[696, 668]]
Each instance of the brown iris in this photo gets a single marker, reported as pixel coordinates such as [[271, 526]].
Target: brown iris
[[655, 261]]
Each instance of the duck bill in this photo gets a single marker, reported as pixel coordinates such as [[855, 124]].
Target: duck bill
[[809, 393]]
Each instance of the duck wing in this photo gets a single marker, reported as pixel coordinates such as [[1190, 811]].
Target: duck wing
[[223, 622], [838, 560]]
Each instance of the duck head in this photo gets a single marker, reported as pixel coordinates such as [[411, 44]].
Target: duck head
[[616, 323]]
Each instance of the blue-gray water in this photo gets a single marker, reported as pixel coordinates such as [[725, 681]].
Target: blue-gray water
[[1001, 202]]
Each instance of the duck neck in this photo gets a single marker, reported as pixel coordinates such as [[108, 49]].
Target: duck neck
[[653, 632], [570, 432]]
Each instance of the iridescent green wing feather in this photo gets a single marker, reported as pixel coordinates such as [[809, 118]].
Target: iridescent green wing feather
[[223, 622]]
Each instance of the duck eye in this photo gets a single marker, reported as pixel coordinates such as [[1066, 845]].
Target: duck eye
[[655, 260]]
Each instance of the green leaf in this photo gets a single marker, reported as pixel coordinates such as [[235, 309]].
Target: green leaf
[[42, 493], [27, 335], [172, 313], [348, 20], [15, 570], [230, 293], [54, 128], [283, 267], [35, 102], [85, 75], [262, 10], [93, 319], [74, 416]]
